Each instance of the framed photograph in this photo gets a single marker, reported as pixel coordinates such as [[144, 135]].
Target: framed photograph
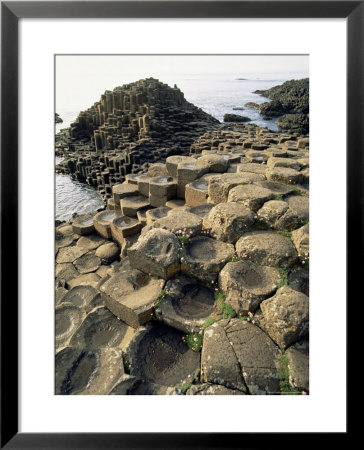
[[167, 113]]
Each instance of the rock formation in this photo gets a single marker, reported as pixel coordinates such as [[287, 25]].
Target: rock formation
[[194, 280]]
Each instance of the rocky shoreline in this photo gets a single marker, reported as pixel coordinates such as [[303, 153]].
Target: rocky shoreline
[[195, 278]]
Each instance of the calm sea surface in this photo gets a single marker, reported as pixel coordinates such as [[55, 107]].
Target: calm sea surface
[[216, 96]]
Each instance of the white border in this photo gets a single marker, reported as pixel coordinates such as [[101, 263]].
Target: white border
[[324, 409]]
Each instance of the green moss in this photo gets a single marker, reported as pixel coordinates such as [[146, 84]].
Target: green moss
[[278, 197], [194, 341], [209, 321], [284, 276], [284, 385], [161, 296], [184, 388], [126, 363], [286, 234], [223, 309], [296, 190]]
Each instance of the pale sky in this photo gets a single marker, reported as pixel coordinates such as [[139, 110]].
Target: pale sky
[[96, 73]]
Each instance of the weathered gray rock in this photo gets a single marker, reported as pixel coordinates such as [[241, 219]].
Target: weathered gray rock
[[228, 221], [301, 240], [271, 211], [108, 253], [187, 304], [212, 389], [102, 222], [239, 355], [258, 169], [87, 372], [156, 213], [283, 175], [247, 284], [69, 254], [131, 205], [251, 196], [173, 161], [277, 188], [130, 295], [160, 356], [180, 220], [286, 316], [87, 263], [120, 191], [299, 280], [204, 257], [90, 242], [196, 193], [124, 226], [296, 215], [66, 271], [156, 253], [83, 225], [101, 329], [220, 186], [87, 279], [215, 162], [163, 187], [68, 319], [84, 297], [268, 249], [298, 366], [284, 162]]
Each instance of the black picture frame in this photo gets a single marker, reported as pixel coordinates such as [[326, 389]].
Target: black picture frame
[[11, 12]]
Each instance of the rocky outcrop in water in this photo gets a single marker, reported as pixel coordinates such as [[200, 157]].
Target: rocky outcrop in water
[[290, 98], [235, 118], [58, 119], [128, 129], [194, 280]]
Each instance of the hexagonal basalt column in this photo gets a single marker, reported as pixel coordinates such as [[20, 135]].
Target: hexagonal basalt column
[[228, 221], [186, 305], [173, 161], [204, 257], [156, 213], [215, 162], [180, 220], [131, 205], [83, 225], [187, 172], [102, 222], [196, 193], [250, 195], [161, 189], [156, 253], [130, 295], [268, 249], [247, 284], [120, 191], [84, 297], [283, 175], [124, 226], [220, 186]]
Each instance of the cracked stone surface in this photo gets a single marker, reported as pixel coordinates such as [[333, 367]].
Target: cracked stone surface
[[220, 186], [298, 366], [238, 355], [84, 297], [68, 319], [212, 389], [251, 196]]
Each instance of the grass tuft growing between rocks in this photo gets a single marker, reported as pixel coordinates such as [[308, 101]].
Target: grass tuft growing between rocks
[[238, 257], [278, 197], [161, 296], [258, 225], [285, 234], [296, 190], [194, 340], [249, 318], [284, 276], [187, 385], [126, 363], [284, 385], [223, 309]]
